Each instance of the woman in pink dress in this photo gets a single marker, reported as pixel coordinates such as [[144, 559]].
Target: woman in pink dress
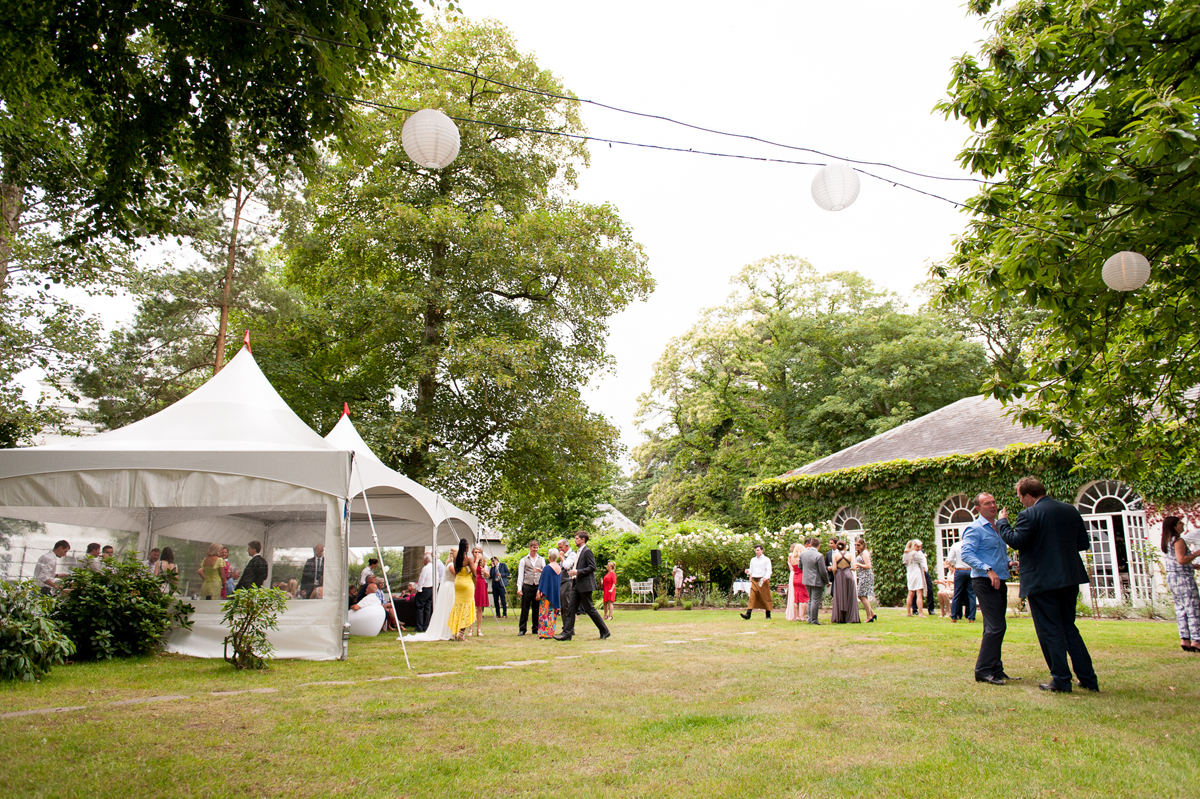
[[481, 592], [610, 590], [798, 594]]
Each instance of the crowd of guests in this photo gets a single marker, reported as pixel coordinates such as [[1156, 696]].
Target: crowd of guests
[[850, 578]]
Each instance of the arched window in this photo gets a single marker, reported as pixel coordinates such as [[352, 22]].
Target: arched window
[[1119, 551], [953, 515], [849, 522]]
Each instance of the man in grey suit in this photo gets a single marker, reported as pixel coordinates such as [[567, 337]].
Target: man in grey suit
[[1049, 536], [815, 576], [585, 583]]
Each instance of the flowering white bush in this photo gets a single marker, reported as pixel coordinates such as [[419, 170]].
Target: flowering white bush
[[703, 546]]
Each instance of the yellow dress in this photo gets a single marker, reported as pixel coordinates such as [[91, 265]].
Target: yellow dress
[[210, 588], [462, 615]]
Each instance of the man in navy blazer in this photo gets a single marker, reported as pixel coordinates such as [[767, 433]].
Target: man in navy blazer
[[1049, 536]]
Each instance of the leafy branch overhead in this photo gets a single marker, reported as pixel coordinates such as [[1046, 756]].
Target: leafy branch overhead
[[1085, 116]]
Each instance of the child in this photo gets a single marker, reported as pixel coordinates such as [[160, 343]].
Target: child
[[610, 590], [945, 592]]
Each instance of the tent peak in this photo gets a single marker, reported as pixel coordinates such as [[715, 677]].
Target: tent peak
[[345, 409]]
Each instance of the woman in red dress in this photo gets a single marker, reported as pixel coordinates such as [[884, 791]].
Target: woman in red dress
[[610, 590], [799, 594], [481, 592]]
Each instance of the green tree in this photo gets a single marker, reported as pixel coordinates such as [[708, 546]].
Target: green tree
[[138, 103], [1086, 115], [468, 305], [794, 366]]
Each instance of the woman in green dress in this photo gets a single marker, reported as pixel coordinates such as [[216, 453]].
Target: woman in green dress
[[211, 570]]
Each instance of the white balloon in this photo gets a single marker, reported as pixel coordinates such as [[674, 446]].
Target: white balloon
[[1126, 271], [835, 187], [430, 138]]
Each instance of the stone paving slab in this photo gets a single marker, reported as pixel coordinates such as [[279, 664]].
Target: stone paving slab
[[246, 691], [439, 674], [385, 679], [40, 711], [567, 657], [675, 642], [146, 699], [602, 651], [523, 662], [636, 646], [328, 682], [491, 668]]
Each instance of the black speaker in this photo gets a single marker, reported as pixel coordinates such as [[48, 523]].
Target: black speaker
[[656, 558]]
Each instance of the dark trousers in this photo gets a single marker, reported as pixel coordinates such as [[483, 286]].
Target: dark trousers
[[584, 607], [993, 603], [816, 595], [500, 599], [569, 603], [424, 606], [528, 603], [964, 595], [1053, 615]]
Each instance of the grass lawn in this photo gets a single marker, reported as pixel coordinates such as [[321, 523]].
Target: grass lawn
[[885, 709]]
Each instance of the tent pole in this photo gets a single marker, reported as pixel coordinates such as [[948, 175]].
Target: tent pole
[[386, 581]]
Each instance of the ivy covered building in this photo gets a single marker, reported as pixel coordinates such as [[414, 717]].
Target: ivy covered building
[[917, 481]]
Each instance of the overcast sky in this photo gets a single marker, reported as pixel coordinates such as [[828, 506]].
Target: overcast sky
[[852, 78]]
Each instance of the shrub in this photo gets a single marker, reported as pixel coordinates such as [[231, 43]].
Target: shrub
[[687, 604], [119, 611], [31, 642], [249, 614]]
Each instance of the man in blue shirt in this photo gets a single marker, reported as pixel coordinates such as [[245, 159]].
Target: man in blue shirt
[[986, 553]]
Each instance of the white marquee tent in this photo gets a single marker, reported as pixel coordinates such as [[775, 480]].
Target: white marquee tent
[[229, 463]]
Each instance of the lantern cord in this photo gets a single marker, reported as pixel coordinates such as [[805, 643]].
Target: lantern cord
[[385, 107], [596, 103]]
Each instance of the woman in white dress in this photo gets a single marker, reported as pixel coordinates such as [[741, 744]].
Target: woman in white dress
[[439, 623], [916, 564]]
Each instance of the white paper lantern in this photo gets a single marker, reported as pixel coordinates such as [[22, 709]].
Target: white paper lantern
[[1126, 271], [835, 187], [430, 138]]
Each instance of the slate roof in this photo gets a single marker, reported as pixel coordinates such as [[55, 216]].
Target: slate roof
[[970, 425]]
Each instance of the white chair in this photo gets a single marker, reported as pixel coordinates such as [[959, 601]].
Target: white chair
[[367, 620]]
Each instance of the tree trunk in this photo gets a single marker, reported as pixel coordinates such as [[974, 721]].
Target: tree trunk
[[427, 382], [414, 558], [11, 206], [230, 267]]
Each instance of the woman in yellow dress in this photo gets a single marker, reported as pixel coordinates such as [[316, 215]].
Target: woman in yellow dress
[[462, 615], [211, 569]]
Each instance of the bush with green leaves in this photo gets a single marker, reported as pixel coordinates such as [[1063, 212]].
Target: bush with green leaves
[[120, 610], [31, 642], [249, 614]]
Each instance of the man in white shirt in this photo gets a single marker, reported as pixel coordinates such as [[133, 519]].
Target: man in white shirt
[[529, 572], [424, 600], [760, 583], [45, 572], [567, 557], [368, 570], [964, 593]]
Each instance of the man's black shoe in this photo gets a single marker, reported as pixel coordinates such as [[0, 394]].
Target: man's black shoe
[[814, 622], [992, 680], [1095, 690], [603, 636], [1047, 686], [1004, 676], [521, 633], [561, 637], [745, 615]]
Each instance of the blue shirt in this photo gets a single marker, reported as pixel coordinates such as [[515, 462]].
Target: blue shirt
[[983, 549]]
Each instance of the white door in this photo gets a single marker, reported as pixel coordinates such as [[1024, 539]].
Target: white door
[[1106, 580], [1141, 586], [947, 535]]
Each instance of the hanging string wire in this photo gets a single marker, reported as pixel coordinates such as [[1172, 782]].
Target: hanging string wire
[[386, 107], [595, 103]]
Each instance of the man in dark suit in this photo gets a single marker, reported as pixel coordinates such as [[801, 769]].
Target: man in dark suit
[[314, 573], [585, 583], [815, 575], [499, 577], [255, 573], [1049, 536]]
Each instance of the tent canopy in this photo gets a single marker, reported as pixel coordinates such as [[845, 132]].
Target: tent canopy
[[230, 463], [404, 511]]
